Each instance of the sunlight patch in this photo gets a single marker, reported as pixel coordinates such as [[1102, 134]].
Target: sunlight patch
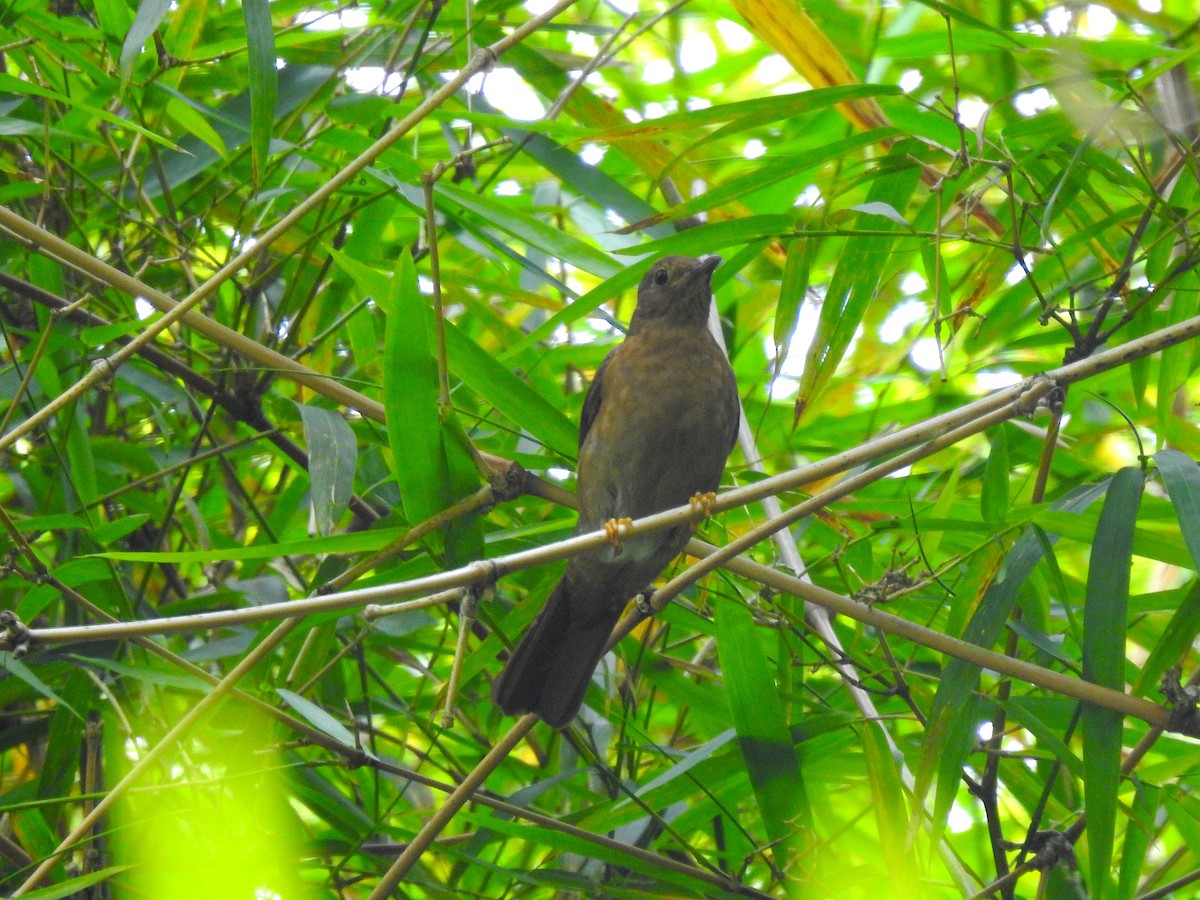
[[810, 196], [1097, 22], [901, 318], [658, 71], [925, 356], [971, 111], [997, 379], [592, 154], [508, 92], [697, 52], [734, 35], [914, 283], [772, 69], [318, 20], [373, 80], [1030, 103], [754, 149]]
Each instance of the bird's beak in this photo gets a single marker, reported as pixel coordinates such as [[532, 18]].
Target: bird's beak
[[709, 263]]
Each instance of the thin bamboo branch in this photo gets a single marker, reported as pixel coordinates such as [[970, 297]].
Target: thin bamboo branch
[[479, 571], [450, 808], [1066, 685]]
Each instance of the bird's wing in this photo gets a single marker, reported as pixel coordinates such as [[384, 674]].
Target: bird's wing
[[735, 403], [591, 403]]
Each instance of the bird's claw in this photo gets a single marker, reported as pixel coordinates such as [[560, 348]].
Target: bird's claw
[[702, 503], [612, 528]]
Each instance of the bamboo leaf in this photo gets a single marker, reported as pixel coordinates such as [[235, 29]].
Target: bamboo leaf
[[1181, 476], [332, 459], [1104, 618], [855, 280], [513, 397], [410, 392], [264, 82], [762, 732]]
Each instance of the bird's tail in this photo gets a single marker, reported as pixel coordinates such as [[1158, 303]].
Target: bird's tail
[[551, 668]]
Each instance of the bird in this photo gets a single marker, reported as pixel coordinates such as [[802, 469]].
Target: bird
[[659, 421]]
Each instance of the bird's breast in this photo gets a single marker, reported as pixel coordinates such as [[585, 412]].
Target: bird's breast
[[667, 417]]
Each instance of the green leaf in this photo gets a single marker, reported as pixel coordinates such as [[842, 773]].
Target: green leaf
[[357, 542], [11, 85], [264, 81], [797, 267], [231, 122], [410, 394], [319, 719], [763, 735], [195, 124], [856, 278], [496, 384], [1104, 618], [148, 674], [332, 459], [993, 500], [776, 170], [585, 305], [149, 15], [1181, 476], [81, 464], [1140, 832], [553, 241], [114, 17], [744, 113], [110, 532], [21, 671], [887, 794], [78, 697], [960, 678], [716, 236], [464, 535], [1175, 640], [432, 456]]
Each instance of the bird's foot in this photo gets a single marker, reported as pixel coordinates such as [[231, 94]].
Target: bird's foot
[[702, 503], [612, 528], [644, 602]]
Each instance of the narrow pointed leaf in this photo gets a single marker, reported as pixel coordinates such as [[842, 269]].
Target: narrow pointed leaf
[[332, 457], [264, 81], [1104, 618]]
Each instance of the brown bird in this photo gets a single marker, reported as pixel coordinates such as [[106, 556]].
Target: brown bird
[[658, 423]]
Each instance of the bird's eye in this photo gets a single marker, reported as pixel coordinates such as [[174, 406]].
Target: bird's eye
[[661, 277]]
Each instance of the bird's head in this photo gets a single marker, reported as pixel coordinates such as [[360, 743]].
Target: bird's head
[[677, 290]]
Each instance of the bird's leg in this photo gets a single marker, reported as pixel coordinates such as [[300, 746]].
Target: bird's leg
[[702, 503], [613, 527]]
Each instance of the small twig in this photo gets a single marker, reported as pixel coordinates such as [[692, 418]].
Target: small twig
[[466, 621], [375, 611]]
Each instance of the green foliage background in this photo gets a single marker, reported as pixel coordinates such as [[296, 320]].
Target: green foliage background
[[918, 203]]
